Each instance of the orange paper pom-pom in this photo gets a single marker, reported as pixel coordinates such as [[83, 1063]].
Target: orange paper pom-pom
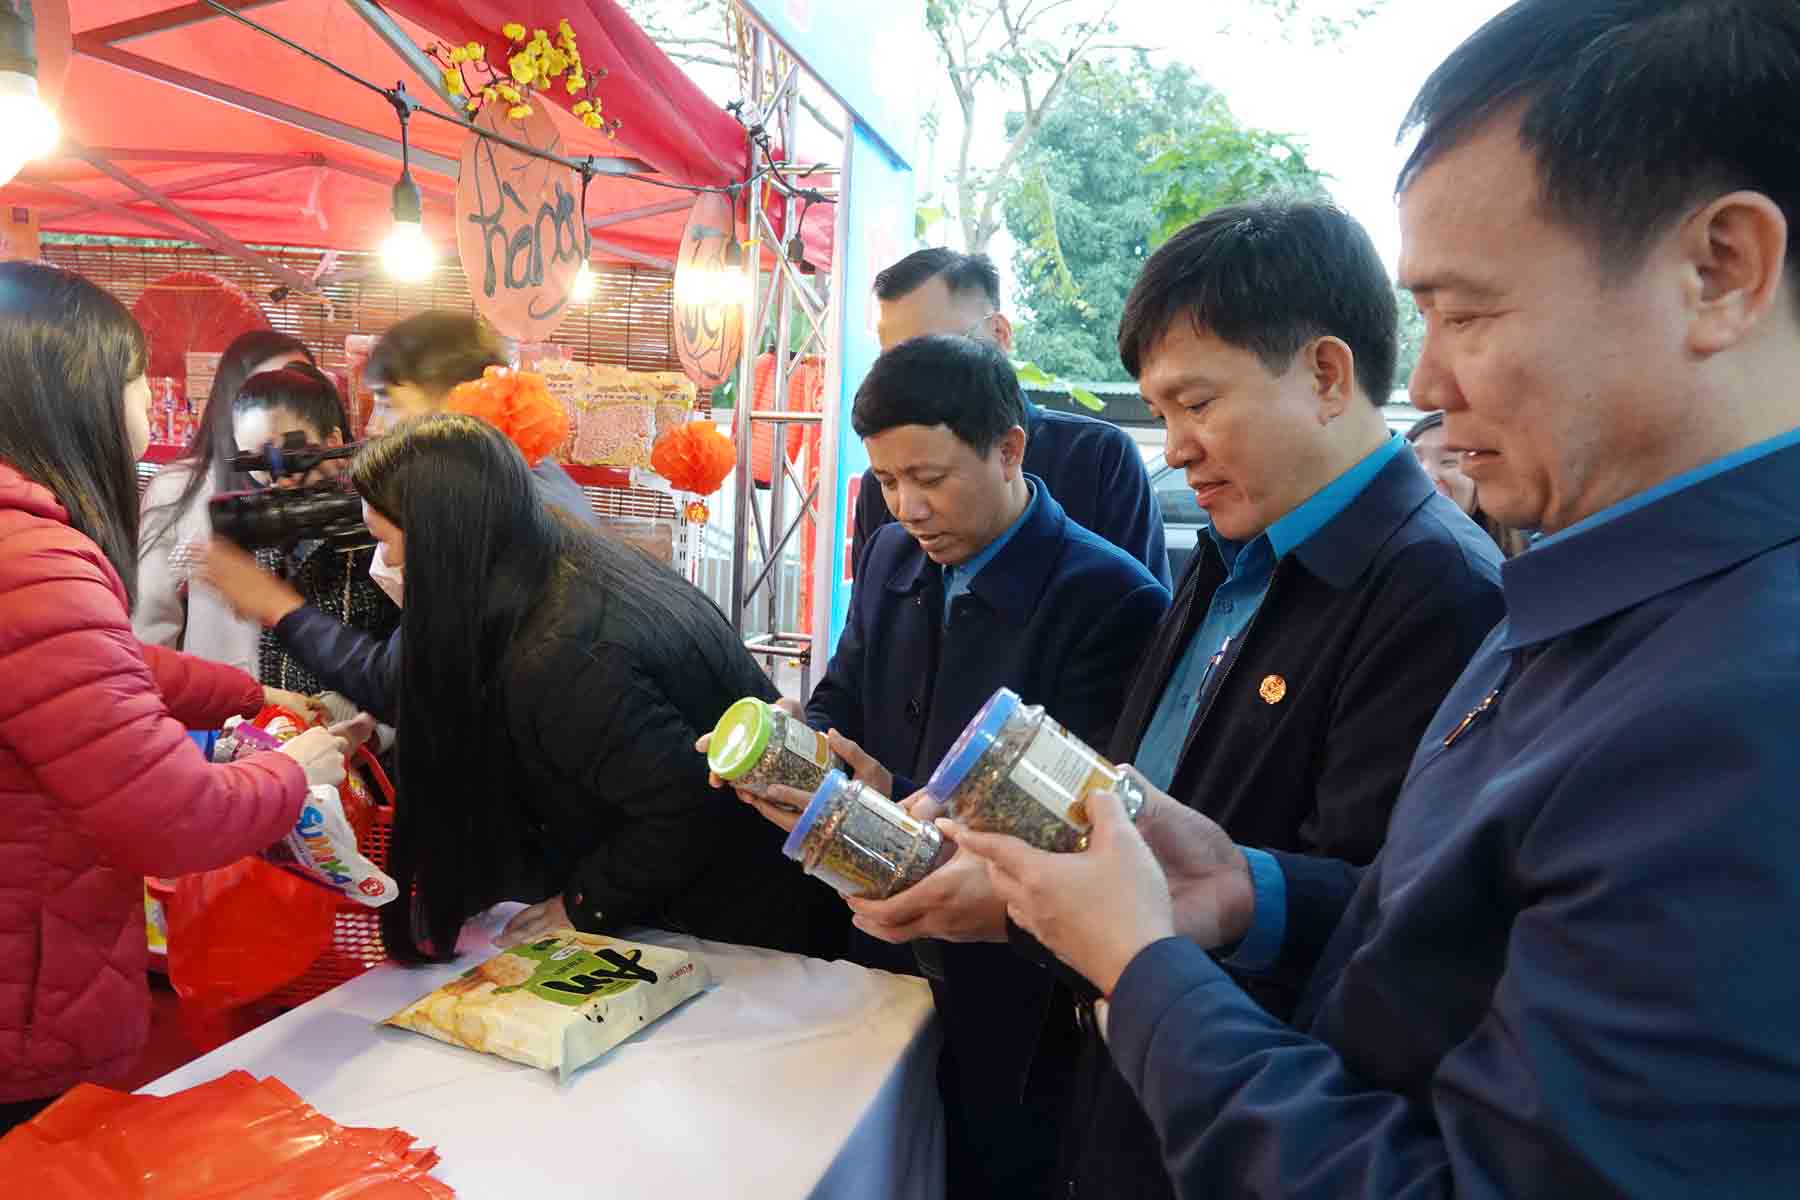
[[694, 457], [518, 404]]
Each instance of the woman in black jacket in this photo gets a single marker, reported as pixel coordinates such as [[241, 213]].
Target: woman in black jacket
[[552, 684]]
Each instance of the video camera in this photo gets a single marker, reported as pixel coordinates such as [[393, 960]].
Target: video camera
[[277, 517]]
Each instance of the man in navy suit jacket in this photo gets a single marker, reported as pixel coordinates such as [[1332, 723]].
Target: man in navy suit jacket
[[984, 582], [1570, 971]]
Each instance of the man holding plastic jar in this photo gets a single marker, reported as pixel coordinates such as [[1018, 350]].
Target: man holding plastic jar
[[982, 582]]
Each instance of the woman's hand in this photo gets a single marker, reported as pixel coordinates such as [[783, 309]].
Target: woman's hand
[[320, 755], [310, 707], [252, 592], [534, 922], [356, 732]]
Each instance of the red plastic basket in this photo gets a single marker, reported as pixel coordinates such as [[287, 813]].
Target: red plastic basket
[[356, 943]]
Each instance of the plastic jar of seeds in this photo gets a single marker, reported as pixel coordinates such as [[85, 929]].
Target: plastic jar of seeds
[[1015, 771], [862, 843], [756, 744]]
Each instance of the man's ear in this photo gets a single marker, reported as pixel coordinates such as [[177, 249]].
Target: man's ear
[[1734, 254], [1003, 333], [1332, 365], [1012, 450]]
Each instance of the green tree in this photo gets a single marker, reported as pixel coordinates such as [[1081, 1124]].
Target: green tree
[[1217, 161], [1129, 147]]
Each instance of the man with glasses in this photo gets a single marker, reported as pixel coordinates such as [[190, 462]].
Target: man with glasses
[[1092, 468]]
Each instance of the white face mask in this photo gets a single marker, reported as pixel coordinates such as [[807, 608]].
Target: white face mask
[[391, 580]]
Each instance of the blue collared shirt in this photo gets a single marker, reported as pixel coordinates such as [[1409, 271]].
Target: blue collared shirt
[[1251, 565], [957, 579], [1261, 946]]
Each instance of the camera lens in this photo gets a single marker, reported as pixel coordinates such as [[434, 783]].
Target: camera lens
[[281, 516]]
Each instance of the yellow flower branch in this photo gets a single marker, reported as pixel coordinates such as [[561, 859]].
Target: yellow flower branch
[[534, 61]]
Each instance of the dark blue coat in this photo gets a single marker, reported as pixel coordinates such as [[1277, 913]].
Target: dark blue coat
[[1059, 616], [1094, 470], [1571, 970]]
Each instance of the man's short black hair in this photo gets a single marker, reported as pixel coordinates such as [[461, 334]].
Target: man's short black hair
[[434, 351], [1636, 110], [1268, 277], [941, 380], [961, 273]]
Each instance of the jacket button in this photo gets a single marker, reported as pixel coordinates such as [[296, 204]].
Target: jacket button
[[913, 709]]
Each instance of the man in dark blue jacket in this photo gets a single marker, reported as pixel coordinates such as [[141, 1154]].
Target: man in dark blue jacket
[[1564, 974], [984, 583], [1333, 602], [1092, 468]]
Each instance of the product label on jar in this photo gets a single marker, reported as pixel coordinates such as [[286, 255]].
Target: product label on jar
[[807, 742], [1057, 771]]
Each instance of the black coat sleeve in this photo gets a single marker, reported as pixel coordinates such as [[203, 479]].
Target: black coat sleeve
[[600, 722], [1133, 520], [363, 667]]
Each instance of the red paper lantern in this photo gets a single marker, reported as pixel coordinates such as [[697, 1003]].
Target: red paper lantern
[[806, 385], [518, 404], [694, 457]]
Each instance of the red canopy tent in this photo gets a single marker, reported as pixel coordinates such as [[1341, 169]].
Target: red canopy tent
[[183, 122]]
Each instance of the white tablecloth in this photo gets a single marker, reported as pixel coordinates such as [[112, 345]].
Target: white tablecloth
[[792, 1078]]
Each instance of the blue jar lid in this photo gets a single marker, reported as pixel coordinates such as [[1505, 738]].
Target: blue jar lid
[[835, 782], [974, 741]]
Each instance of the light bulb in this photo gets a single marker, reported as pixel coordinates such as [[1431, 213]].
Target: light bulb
[[28, 129], [583, 288], [407, 253]]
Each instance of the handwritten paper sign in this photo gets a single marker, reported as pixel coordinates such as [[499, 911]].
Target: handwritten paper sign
[[518, 231], [709, 312]]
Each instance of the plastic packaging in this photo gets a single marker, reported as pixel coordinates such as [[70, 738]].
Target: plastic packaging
[[1015, 771], [756, 744], [322, 845], [559, 1002], [235, 1136], [862, 843]]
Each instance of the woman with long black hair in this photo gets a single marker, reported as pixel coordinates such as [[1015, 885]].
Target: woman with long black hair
[[552, 685], [169, 613], [99, 784]]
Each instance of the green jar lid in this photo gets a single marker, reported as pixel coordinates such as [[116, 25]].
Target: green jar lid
[[739, 739]]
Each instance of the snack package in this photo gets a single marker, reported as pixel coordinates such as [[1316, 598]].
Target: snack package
[[322, 847], [559, 1002]]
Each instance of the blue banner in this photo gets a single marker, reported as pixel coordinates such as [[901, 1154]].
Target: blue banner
[[877, 230], [870, 56]]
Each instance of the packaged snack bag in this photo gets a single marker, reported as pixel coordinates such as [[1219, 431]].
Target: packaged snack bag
[[559, 1002], [322, 845]]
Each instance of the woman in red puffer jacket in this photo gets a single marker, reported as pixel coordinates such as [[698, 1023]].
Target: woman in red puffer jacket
[[99, 783]]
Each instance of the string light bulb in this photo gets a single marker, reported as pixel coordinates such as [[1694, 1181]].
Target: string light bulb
[[407, 253], [28, 129], [582, 290]]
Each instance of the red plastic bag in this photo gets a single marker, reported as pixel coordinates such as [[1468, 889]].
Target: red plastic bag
[[235, 1137], [236, 935]]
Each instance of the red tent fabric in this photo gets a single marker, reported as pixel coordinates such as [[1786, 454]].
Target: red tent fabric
[[136, 91]]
